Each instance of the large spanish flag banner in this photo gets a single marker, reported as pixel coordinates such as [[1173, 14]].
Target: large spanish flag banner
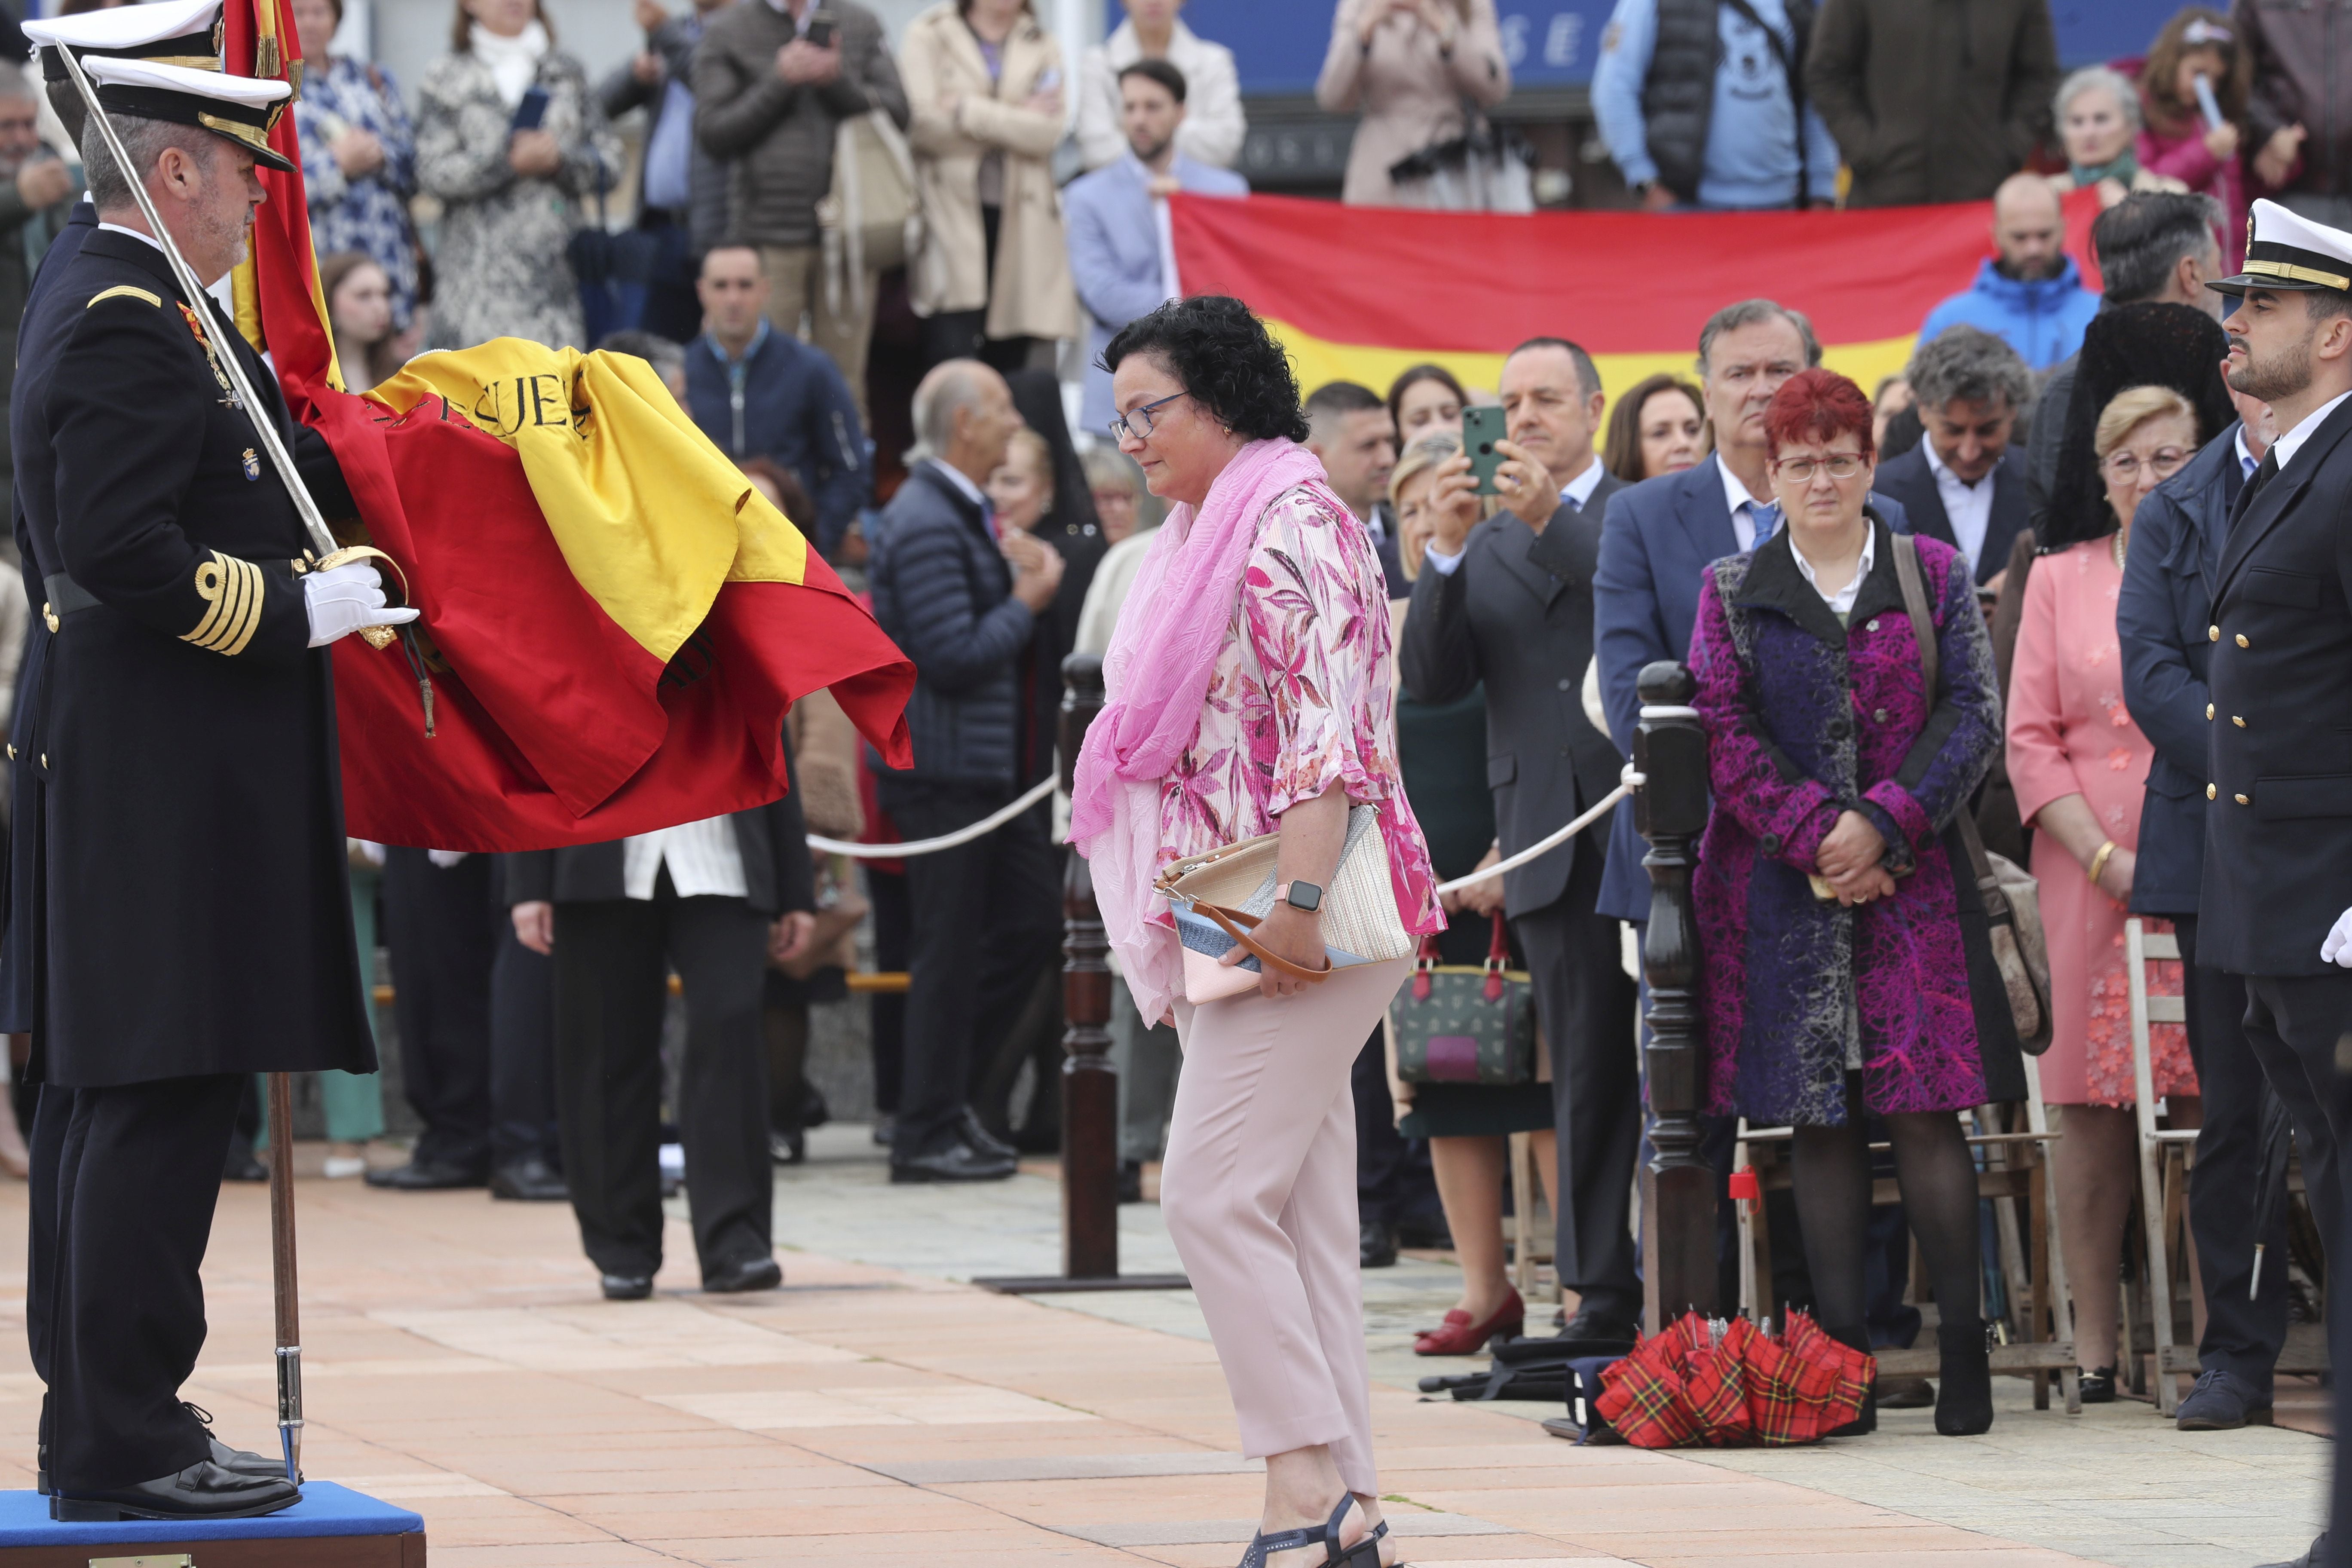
[[1359, 293], [614, 621]]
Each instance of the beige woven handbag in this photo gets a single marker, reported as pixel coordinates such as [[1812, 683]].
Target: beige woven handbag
[[1220, 896]]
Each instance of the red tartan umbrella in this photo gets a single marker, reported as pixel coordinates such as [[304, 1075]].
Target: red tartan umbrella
[[1728, 1387]]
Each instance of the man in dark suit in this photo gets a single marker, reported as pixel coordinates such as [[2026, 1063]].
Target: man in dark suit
[[715, 901], [986, 915], [1350, 430], [1964, 483], [2278, 839], [2162, 618], [1511, 605]]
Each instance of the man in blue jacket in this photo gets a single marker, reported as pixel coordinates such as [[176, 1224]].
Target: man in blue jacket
[[759, 393], [1118, 217], [2031, 294], [963, 599], [2162, 619]]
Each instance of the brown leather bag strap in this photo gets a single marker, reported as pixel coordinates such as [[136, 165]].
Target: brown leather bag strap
[[1923, 632], [1231, 921]]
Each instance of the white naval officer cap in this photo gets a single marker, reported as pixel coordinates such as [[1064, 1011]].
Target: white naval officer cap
[[2286, 250], [185, 33], [243, 109]]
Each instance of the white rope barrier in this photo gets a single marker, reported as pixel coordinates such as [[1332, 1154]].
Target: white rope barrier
[[1545, 846], [933, 846]]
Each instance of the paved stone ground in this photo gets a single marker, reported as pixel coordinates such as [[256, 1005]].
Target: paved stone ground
[[875, 1411]]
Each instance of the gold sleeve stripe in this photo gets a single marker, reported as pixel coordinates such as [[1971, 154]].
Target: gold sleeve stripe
[[125, 291], [233, 589]]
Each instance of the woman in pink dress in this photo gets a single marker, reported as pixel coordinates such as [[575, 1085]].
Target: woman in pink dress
[[2078, 763]]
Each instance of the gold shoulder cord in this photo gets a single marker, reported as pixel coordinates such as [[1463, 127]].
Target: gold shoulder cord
[[233, 589]]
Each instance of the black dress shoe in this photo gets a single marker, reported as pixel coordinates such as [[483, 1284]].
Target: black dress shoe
[[885, 1127], [956, 1162], [627, 1287], [745, 1274], [1589, 1324], [428, 1176], [976, 1133], [203, 1491], [2313, 1556], [1130, 1181], [529, 1180], [1376, 1245], [237, 1461], [242, 1166], [788, 1146]]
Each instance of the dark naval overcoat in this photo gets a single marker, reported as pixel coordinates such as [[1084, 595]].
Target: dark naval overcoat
[[190, 904]]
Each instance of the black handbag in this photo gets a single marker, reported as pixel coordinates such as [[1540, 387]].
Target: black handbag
[[1458, 1023]]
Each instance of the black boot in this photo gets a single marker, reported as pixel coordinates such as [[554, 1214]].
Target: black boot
[[1864, 1425], [1964, 1391]]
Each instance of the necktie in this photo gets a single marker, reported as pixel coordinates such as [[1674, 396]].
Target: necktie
[[1767, 519], [2263, 476]]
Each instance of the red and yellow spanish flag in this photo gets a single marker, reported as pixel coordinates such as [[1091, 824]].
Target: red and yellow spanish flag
[[615, 620], [1360, 293]]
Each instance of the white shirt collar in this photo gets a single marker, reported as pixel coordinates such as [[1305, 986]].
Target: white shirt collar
[[1580, 489], [2290, 442], [1744, 509], [1840, 601], [137, 233], [2246, 458], [1936, 465], [962, 481], [1967, 507]]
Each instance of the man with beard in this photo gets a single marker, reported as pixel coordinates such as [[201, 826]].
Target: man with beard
[[2031, 294], [2278, 836], [183, 787]]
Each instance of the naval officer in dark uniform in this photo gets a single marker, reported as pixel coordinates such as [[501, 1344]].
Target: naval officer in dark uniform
[[184, 766], [2278, 833]]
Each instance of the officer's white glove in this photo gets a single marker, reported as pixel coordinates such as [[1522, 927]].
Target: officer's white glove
[[2337, 947], [345, 598]]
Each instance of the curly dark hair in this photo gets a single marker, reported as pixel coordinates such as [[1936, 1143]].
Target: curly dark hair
[[1226, 359]]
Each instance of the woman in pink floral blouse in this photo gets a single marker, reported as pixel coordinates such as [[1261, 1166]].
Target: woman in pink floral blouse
[[1248, 693]]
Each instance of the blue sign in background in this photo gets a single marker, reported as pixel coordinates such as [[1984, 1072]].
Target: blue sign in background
[[1553, 43]]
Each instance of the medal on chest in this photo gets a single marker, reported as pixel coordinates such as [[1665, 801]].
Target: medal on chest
[[212, 357]]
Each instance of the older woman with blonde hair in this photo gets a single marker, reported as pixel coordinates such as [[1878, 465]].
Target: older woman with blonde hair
[[2078, 763], [2098, 114]]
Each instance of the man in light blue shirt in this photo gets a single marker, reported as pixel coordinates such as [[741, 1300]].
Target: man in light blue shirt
[[1699, 102], [1121, 256]]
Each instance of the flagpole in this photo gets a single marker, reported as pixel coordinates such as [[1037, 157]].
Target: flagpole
[[284, 1274], [314, 522]]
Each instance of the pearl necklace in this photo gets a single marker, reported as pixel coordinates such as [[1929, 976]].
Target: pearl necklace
[[2115, 548]]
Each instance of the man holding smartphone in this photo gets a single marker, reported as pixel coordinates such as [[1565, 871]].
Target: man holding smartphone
[[773, 83]]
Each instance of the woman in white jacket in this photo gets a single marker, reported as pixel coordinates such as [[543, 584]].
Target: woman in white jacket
[[1213, 124]]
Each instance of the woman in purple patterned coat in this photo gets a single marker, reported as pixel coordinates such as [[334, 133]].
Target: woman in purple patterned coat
[[1846, 971]]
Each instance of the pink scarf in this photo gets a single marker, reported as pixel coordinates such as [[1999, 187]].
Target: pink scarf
[[1155, 678]]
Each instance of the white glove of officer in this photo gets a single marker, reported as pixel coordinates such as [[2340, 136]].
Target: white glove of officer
[[342, 599], [2337, 947]]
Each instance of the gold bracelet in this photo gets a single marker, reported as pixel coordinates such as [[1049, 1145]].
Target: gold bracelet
[[2099, 862]]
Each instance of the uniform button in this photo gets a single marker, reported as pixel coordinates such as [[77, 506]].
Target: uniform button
[[2241, 800], [44, 759], [1769, 843], [2211, 791], [12, 753], [1563, 685], [2213, 632], [2208, 710], [2240, 723], [2242, 642]]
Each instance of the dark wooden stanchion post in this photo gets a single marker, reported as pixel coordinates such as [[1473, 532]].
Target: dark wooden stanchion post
[[1089, 1085], [1679, 1197], [1089, 1082]]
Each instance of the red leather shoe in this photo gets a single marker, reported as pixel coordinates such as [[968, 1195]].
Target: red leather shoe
[[1460, 1336]]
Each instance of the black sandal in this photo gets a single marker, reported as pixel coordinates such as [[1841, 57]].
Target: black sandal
[[1365, 1553]]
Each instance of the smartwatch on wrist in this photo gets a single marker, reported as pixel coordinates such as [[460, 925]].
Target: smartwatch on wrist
[[1304, 897]]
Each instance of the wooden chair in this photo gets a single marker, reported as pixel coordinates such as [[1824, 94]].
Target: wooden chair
[[2037, 1335], [1529, 1244], [2168, 1157]]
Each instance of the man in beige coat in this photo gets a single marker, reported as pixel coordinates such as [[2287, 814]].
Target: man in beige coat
[[994, 279]]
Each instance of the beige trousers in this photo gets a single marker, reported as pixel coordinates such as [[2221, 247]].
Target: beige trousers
[[1259, 1193], [796, 288]]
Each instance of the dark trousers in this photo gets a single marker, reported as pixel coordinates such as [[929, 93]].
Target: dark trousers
[[441, 928], [2241, 1336], [893, 936], [2293, 1023], [1394, 1182], [1586, 1003], [986, 919], [522, 1053], [613, 959], [124, 1187]]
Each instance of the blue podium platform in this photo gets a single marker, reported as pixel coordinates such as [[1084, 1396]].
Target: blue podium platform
[[332, 1527]]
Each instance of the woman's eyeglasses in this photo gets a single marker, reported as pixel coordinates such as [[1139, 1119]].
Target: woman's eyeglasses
[[2125, 467], [1138, 424], [1801, 471]]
